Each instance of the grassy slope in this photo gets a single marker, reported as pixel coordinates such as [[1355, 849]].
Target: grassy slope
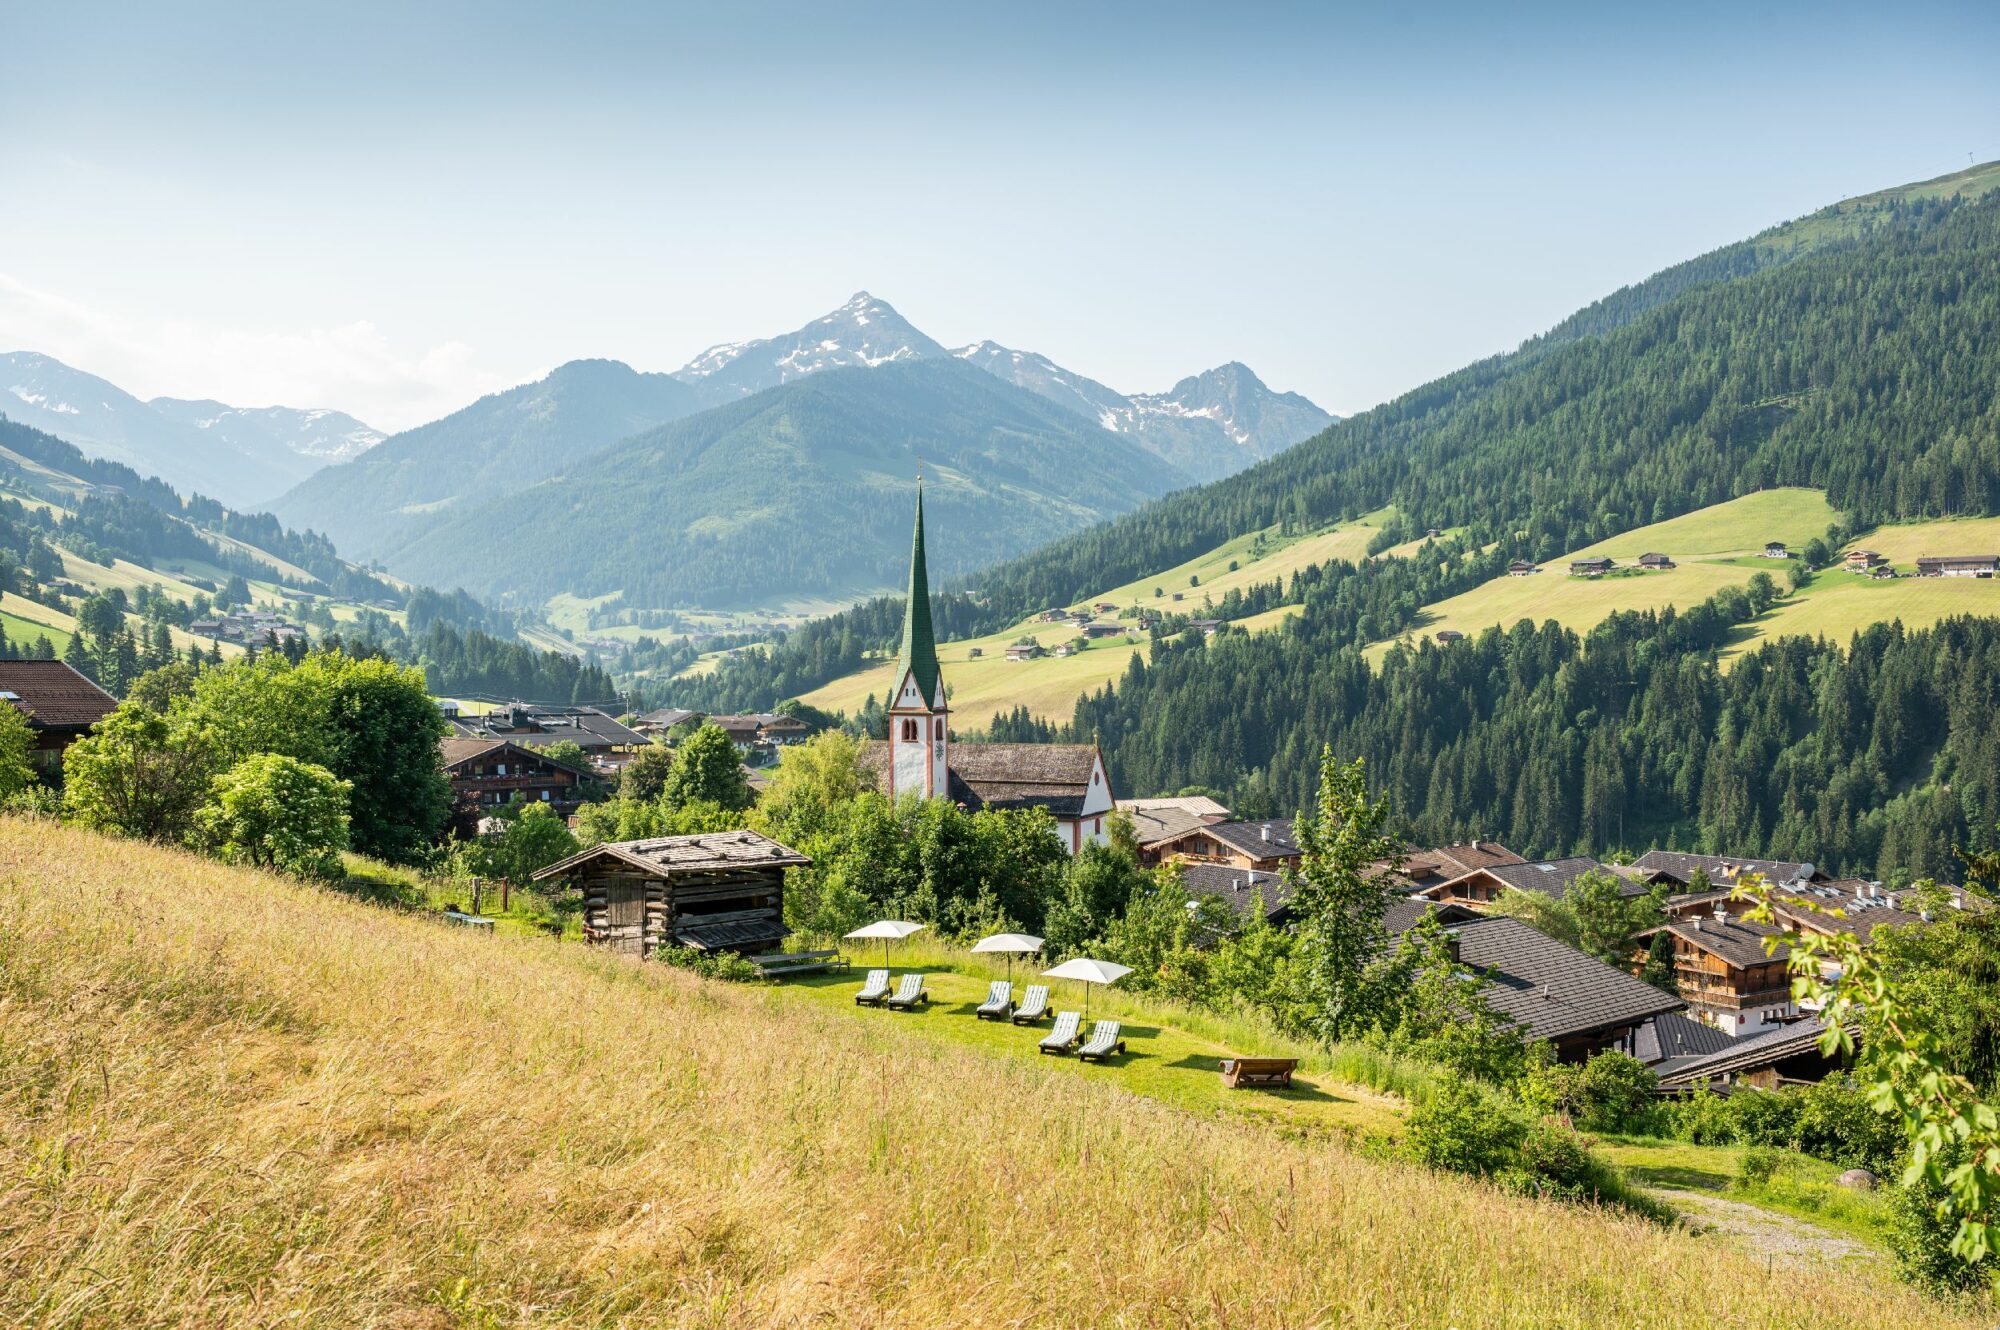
[[1049, 688], [226, 1100], [1719, 545]]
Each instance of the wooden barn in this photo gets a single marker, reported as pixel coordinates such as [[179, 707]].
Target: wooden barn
[[719, 891]]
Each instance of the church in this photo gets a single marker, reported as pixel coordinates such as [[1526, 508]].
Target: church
[[921, 758]]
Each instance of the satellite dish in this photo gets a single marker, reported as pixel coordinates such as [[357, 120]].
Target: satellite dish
[[1806, 872]]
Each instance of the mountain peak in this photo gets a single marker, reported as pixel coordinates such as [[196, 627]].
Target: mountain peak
[[864, 331]]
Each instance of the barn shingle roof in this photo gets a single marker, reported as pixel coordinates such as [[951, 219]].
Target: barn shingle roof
[[1551, 989], [53, 696], [708, 852]]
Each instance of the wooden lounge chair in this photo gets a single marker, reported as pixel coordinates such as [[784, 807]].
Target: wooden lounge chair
[[999, 1002], [875, 990], [1034, 1006], [1063, 1037], [1272, 1073], [1104, 1041], [909, 994]]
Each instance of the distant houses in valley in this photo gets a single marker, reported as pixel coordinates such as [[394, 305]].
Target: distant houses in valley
[[251, 627]]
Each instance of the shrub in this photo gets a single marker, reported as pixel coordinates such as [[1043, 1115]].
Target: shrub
[[1703, 1117], [274, 811], [1920, 1240], [1556, 1159], [1837, 1123], [724, 965], [1464, 1129], [1758, 1164]]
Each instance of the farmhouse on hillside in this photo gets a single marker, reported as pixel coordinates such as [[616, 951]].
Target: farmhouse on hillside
[[1522, 568], [1068, 781], [59, 703], [719, 891], [1548, 988], [1958, 565], [488, 774], [1776, 549], [1655, 561], [1590, 567], [1860, 561]]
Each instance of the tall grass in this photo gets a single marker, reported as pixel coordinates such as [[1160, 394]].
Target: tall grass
[[227, 1100]]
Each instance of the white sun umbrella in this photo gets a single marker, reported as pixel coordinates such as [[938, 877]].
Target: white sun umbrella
[[1091, 971], [1013, 944], [889, 930]]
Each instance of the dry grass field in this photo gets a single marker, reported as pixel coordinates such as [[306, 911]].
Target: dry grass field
[[231, 1101]]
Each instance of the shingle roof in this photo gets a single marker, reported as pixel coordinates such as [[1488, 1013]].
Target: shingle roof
[[1737, 941], [1250, 838], [1051, 776], [1749, 1054], [1671, 1038], [1155, 825], [1551, 989], [1453, 860], [1198, 804], [730, 935], [1239, 888], [54, 696], [1549, 877], [1723, 870], [455, 751], [664, 855]]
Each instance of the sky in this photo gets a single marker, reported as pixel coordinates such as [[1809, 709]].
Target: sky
[[391, 210]]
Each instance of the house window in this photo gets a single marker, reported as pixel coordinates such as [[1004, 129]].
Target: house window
[[909, 731], [545, 796]]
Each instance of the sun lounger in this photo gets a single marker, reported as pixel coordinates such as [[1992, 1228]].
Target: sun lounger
[[909, 993], [875, 990], [999, 1002], [1104, 1041], [1060, 1039], [1274, 1073], [1034, 1006]]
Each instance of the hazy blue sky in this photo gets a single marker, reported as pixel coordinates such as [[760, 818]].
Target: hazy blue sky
[[393, 209]]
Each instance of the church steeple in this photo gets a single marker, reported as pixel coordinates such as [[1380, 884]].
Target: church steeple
[[918, 657]]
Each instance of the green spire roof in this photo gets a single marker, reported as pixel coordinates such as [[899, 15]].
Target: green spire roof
[[919, 651]]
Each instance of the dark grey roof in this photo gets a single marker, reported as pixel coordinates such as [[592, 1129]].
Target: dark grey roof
[[587, 727], [1551, 989], [662, 856], [1737, 941], [1723, 870], [1546, 877], [1240, 888], [1402, 915], [1749, 1054], [1671, 1038], [1154, 825], [1250, 837]]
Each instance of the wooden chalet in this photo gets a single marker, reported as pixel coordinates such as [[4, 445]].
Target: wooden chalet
[[719, 891], [488, 774], [1958, 565], [1786, 1054], [1446, 635], [1590, 567], [1776, 549], [1722, 870], [601, 735], [1725, 973], [1860, 561], [1483, 887], [1522, 568], [1422, 868], [1550, 989], [60, 705], [1265, 847], [1655, 561]]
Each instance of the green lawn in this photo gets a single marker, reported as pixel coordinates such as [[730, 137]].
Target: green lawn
[[1164, 1061], [1802, 1188]]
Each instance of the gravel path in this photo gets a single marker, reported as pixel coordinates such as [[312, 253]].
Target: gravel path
[[1779, 1238]]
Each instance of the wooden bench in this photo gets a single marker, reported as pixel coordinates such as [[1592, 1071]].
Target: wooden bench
[[1266, 1072], [464, 920], [798, 962]]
